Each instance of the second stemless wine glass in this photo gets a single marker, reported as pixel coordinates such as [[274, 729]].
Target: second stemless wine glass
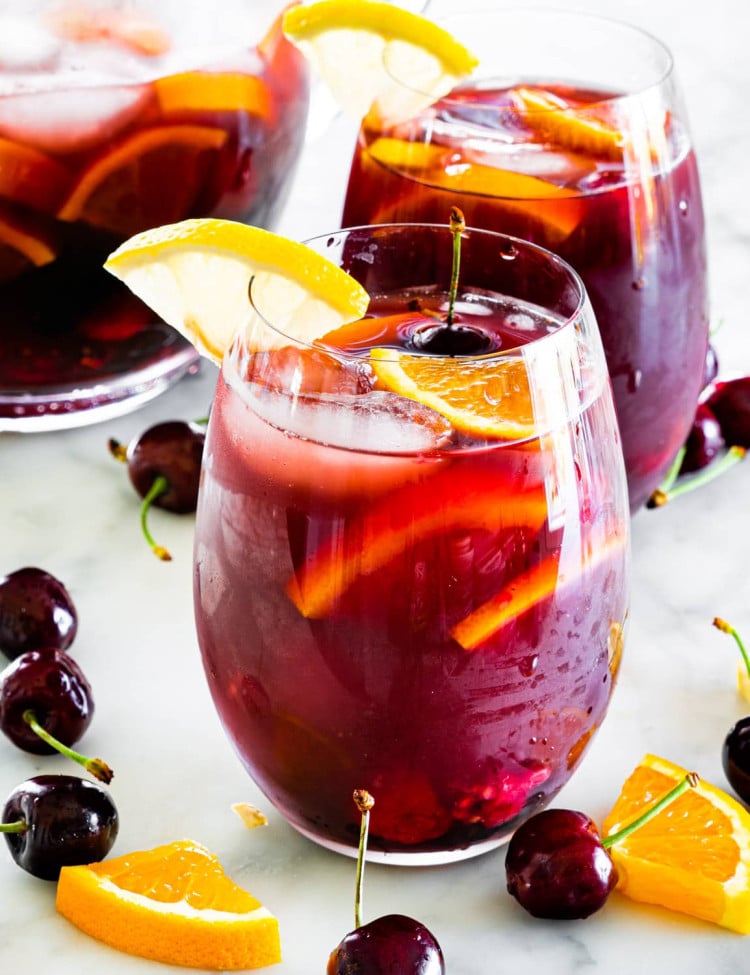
[[572, 134], [411, 568]]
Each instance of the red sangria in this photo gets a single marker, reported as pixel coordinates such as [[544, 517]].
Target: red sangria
[[411, 552], [579, 143], [113, 121]]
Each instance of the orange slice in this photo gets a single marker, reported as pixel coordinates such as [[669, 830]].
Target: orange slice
[[207, 91], [560, 210], [525, 591], [402, 519], [20, 247], [172, 904], [694, 857], [31, 177], [569, 126], [152, 177], [479, 396]]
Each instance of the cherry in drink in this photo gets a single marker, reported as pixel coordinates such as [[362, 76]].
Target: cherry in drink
[[580, 143], [111, 122], [411, 553]]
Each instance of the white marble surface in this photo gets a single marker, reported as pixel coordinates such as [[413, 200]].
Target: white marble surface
[[66, 506]]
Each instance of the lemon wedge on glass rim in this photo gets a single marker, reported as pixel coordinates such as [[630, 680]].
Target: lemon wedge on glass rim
[[378, 57], [195, 275]]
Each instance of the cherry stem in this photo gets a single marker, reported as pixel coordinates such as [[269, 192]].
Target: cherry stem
[[95, 766], [725, 627], [660, 497], [118, 450], [674, 470], [457, 226], [690, 781], [159, 487], [17, 826], [364, 802]]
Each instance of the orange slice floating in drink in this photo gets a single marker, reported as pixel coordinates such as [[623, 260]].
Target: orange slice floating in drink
[[573, 127], [694, 857], [479, 396], [153, 177], [208, 91], [172, 904], [525, 591], [403, 518], [31, 177], [21, 247]]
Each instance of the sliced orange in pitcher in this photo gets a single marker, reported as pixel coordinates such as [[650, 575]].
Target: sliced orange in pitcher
[[210, 91], [525, 591], [151, 178], [399, 521], [478, 396], [172, 904], [570, 126], [31, 177], [20, 247], [694, 857]]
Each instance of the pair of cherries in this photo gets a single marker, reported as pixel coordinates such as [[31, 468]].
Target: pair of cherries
[[46, 705]]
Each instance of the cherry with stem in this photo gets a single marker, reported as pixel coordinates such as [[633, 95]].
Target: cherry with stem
[[392, 943], [559, 867]]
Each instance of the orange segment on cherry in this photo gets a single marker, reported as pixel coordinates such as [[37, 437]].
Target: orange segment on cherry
[[53, 821], [36, 610], [164, 465]]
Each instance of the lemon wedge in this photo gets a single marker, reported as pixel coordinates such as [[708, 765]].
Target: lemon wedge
[[378, 57], [195, 275]]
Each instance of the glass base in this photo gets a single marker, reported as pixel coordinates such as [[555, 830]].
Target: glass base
[[398, 858], [80, 404]]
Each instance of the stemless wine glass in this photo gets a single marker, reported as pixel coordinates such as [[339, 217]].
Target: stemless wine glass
[[572, 134], [115, 118], [411, 564]]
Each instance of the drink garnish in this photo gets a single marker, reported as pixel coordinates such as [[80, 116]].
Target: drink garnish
[[570, 126], [377, 57], [195, 275]]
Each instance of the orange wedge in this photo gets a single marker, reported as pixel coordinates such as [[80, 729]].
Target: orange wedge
[[151, 178], [207, 91], [172, 904], [571, 127], [693, 857], [483, 397], [20, 247], [525, 591], [401, 520], [31, 177]]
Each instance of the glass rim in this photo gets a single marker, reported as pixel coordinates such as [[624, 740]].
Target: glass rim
[[564, 324], [486, 13]]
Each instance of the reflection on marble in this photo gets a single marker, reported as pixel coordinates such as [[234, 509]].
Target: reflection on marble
[[67, 506]]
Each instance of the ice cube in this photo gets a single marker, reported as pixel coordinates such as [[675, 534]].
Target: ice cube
[[377, 422], [75, 119], [25, 45]]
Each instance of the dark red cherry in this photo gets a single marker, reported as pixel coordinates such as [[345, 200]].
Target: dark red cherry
[[705, 441], [730, 404], [556, 866], [452, 340], [55, 821], [172, 450], [35, 611], [52, 686], [393, 943], [735, 757]]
